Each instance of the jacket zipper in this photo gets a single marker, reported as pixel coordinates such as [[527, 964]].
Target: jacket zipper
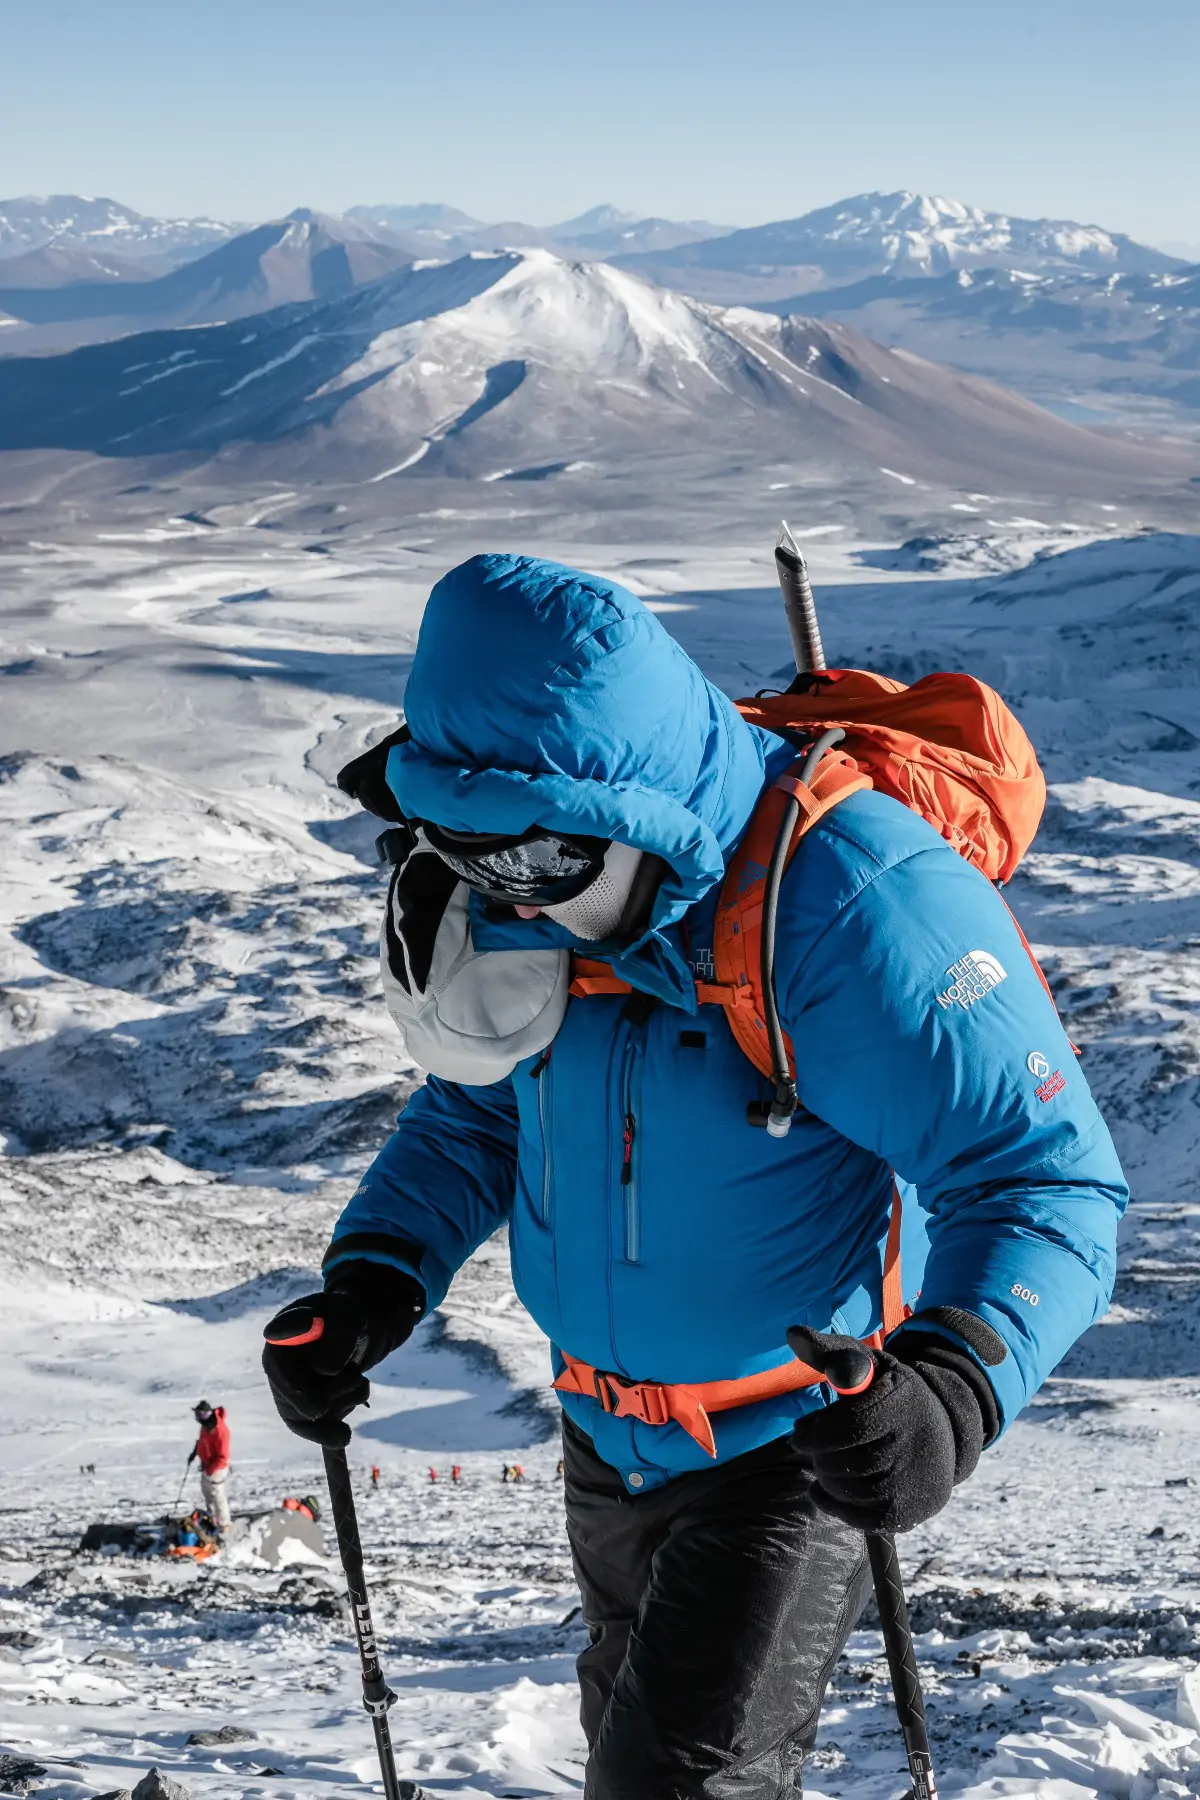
[[541, 1074], [630, 1102]]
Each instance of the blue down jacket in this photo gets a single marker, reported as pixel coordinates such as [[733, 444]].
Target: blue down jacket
[[925, 1045]]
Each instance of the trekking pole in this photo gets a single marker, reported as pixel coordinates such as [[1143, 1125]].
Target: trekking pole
[[377, 1695], [298, 1325], [798, 604], [184, 1482], [850, 1369]]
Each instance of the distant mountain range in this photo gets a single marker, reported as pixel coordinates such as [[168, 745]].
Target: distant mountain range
[[520, 366], [302, 257], [602, 231], [1074, 316], [902, 235], [75, 220], [1102, 347]]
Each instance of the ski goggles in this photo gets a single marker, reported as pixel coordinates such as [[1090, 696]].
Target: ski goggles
[[536, 868]]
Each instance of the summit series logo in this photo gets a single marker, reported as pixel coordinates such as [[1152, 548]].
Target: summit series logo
[[971, 977]]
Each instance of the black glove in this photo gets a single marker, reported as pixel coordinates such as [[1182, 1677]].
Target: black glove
[[367, 1310], [887, 1459], [192, 1454]]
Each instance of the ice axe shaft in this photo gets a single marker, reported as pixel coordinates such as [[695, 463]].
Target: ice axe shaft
[[798, 604], [849, 1369]]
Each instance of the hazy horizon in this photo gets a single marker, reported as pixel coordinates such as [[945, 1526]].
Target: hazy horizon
[[1059, 113]]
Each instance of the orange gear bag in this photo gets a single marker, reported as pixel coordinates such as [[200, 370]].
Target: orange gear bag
[[947, 747]]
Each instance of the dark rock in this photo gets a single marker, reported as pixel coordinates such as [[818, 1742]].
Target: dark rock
[[408, 1790], [227, 1734], [19, 1640], [18, 1774], [157, 1786]]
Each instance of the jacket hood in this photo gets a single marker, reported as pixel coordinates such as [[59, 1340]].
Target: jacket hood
[[540, 695]]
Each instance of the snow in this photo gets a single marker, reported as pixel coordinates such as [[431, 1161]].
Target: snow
[[276, 362], [194, 1065]]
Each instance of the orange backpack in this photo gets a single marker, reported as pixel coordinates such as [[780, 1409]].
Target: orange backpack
[[948, 747]]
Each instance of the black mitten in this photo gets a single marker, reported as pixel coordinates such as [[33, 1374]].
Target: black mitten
[[318, 1347], [887, 1459]]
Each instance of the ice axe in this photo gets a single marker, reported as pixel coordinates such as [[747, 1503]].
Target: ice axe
[[798, 604], [300, 1325], [849, 1368], [845, 1365]]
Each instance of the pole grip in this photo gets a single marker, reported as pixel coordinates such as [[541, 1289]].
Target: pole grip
[[294, 1325], [345, 1518]]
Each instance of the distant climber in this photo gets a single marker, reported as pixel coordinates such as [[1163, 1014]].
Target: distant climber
[[374, 1475], [212, 1448]]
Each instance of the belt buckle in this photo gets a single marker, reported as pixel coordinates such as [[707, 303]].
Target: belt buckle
[[643, 1400], [605, 1392]]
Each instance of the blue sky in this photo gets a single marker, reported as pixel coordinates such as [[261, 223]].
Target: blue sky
[[536, 109]]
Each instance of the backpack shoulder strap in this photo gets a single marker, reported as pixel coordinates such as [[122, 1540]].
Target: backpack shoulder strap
[[737, 933], [590, 976], [737, 937]]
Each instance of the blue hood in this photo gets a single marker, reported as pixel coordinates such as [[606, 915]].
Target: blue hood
[[543, 696]]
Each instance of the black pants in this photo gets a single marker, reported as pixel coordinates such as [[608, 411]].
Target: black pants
[[717, 1607]]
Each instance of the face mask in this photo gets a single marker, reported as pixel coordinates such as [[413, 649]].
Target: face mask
[[599, 910], [465, 1015]]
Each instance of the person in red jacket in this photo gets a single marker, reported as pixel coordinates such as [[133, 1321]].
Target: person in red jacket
[[212, 1447]]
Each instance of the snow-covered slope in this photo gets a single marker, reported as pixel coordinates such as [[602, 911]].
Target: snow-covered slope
[[29, 221], [521, 363], [1112, 343], [195, 1063]]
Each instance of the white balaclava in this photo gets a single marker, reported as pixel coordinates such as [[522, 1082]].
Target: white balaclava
[[464, 1014], [597, 912]]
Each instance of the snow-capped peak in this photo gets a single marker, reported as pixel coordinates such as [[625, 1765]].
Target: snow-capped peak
[[30, 221], [908, 233], [934, 234]]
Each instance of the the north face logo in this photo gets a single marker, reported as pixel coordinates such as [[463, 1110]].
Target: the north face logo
[[702, 965], [971, 977], [750, 874]]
